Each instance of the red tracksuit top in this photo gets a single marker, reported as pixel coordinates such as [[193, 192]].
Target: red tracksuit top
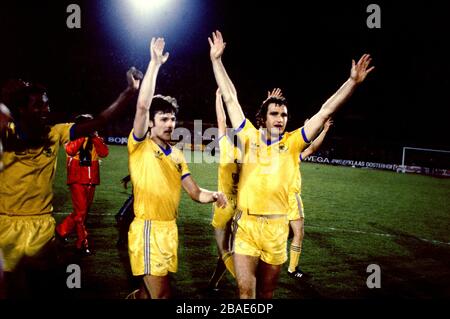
[[77, 174]]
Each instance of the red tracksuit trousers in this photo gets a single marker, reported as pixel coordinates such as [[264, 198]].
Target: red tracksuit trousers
[[82, 197]]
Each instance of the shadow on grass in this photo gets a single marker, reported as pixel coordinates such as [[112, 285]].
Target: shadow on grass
[[197, 261], [424, 272]]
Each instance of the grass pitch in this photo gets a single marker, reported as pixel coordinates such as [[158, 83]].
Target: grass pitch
[[354, 218]]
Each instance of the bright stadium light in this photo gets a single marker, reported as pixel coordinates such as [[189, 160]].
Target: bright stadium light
[[146, 6]]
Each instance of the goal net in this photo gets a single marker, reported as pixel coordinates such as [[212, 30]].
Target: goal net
[[425, 161]]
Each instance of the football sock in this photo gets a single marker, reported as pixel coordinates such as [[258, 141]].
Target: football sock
[[294, 257], [228, 261]]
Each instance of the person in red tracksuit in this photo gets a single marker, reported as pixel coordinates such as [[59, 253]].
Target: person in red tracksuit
[[83, 174]]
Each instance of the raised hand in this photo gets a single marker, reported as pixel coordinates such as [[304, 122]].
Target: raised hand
[[217, 46], [276, 92], [157, 49], [134, 77], [360, 70]]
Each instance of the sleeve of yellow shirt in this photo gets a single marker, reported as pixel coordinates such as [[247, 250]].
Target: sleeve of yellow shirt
[[184, 167], [134, 142], [300, 139], [63, 131], [245, 131]]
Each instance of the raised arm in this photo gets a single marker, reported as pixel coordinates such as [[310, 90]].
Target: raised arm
[[317, 143], [5, 118], [358, 74], [202, 195], [217, 46], [220, 114], [142, 117], [84, 129]]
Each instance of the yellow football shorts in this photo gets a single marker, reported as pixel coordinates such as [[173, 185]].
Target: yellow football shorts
[[152, 247], [262, 237], [295, 207], [24, 236], [221, 216]]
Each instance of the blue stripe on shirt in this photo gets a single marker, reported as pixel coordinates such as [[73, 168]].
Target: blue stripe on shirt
[[237, 130], [137, 139], [304, 136]]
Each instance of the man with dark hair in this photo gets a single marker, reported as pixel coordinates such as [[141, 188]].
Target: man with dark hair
[[270, 158], [30, 149], [83, 174], [158, 171]]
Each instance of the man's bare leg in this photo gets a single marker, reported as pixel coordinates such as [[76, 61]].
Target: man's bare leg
[[267, 279], [296, 247], [142, 293], [157, 286], [246, 275]]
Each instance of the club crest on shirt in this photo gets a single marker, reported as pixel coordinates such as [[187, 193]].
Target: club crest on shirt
[[254, 146], [281, 148], [48, 152], [158, 154], [179, 167]]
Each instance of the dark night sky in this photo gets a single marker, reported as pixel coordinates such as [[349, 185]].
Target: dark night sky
[[303, 47]]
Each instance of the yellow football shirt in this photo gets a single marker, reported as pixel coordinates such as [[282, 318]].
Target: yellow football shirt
[[297, 185], [228, 174], [26, 182], [268, 170], [156, 175]]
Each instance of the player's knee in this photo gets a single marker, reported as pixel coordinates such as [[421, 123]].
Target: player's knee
[[246, 288], [246, 293]]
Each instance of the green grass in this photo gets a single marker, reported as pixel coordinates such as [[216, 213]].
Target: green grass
[[354, 217]]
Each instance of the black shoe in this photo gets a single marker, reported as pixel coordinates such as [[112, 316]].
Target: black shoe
[[296, 274], [61, 239], [84, 251], [212, 289], [210, 292]]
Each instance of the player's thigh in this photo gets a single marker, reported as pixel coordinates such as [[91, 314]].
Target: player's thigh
[[245, 267], [267, 279]]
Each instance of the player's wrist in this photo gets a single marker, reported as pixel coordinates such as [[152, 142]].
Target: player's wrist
[[353, 81]]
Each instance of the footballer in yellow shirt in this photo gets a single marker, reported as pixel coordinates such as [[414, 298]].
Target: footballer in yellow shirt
[[30, 149], [157, 172], [268, 169], [228, 178]]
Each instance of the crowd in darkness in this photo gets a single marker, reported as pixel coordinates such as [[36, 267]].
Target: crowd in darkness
[[84, 69]]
